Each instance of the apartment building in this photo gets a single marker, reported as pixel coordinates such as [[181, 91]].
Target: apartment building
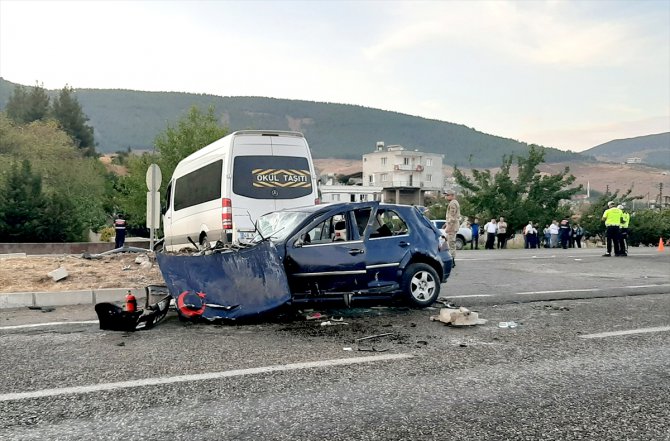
[[404, 175]]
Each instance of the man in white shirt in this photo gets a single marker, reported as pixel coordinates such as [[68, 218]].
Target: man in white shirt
[[491, 229], [553, 230]]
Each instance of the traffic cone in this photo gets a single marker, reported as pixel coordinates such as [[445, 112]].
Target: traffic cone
[[661, 247]]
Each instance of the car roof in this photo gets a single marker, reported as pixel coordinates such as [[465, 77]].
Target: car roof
[[344, 206]]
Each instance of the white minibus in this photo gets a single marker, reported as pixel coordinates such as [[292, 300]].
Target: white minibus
[[218, 192]]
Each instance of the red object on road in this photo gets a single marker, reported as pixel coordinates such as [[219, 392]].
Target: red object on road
[[131, 302]]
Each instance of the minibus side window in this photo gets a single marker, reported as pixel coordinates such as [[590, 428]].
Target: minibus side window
[[199, 186]]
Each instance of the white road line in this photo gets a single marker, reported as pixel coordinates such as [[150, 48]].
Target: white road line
[[198, 377], [632, 331], [37, 325], [559, 291], [473, 295], [609, 288]]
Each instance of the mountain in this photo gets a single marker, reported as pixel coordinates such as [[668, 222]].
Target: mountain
[[651, 149], [125, 119]]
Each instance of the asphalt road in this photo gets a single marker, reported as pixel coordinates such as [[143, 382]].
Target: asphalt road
[[589, 360]]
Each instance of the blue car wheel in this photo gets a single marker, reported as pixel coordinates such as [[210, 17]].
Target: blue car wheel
[[421, 284]]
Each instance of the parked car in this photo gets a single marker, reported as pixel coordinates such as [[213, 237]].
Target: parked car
[[463, 236], [369, 249]]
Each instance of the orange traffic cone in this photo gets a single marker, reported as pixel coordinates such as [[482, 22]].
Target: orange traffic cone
[[661, 247]]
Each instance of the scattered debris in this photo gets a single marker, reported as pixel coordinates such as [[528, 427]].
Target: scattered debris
[[48, 309], [463, 345], [374, 336], [510, 325], [146, 265], [141, 259], [331, 323], [58, 274], [126, 268], [347, 349], [373, 349], [314, 316], [458, 317]]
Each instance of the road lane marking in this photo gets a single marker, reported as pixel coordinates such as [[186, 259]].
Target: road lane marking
[[198, 377], [37, 325], [632, 331], [559, 291], [609, 288], [473, 295]]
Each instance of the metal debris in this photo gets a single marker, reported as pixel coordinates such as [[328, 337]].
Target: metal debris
[[458, 317]]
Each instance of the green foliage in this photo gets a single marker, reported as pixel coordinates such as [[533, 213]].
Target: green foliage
[[68, 112], [107, 233], [21, 204], [191, 133], [27, 106], [529, 196], [648, 226], [74, 186]]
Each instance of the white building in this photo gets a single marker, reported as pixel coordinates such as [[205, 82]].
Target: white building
[[404, 175]]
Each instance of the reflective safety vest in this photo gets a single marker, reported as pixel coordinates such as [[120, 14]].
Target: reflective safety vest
[[613, 217], [625, 217]]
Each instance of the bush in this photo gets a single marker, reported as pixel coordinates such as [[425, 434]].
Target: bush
[[106, 234]]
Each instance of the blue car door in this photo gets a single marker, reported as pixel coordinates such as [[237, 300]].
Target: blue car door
[[328, 256], [387, 243]]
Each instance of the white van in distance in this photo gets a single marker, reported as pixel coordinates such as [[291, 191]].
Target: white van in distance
[[218, 192]]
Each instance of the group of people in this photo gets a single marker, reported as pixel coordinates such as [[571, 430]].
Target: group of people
[[555, 235], [564, 234], [616, 225]]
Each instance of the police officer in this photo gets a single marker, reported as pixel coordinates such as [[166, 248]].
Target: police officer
[[612, 217], [120, 229], [625, 219]]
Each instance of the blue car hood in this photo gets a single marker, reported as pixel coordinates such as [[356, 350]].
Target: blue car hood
[[227, 285]]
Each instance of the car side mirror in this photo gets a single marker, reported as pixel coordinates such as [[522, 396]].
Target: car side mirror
[[304, 239]]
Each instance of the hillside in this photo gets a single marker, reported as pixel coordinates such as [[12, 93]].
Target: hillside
[[652, 149], [645, 180], [125, 119]]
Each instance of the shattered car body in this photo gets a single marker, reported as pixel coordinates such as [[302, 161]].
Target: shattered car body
[[343, 251]]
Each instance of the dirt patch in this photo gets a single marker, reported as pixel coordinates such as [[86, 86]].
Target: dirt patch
[[114, 271]]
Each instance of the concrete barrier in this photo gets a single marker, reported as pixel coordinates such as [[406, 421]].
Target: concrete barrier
[[65, 248], [16, 300]]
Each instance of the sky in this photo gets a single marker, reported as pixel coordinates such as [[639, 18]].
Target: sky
[[565, 74]]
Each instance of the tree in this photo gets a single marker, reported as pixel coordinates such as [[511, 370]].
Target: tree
[[21, 204], [191, 133], [529, 196], [25, 107], [68, 112], [64, 172]]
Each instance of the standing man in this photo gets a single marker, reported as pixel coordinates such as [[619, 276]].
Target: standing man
[[474, 243], [453, 219], [120, 229], [612, 217], [553, 230], [625, 219], [502, 233], [491, 229], [527, 235]]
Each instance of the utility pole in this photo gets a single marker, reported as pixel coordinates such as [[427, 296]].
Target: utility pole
[[660, 194]]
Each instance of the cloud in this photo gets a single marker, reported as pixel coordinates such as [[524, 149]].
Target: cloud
[[544, 33]]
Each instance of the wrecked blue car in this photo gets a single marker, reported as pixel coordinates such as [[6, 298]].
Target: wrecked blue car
[[344, 251]]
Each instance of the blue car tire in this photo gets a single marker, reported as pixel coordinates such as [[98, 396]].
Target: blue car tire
[[420, 284]]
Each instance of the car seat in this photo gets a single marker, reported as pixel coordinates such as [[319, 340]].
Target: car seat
[[340, 231]]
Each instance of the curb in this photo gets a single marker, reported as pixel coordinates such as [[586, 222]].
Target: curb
[[63, 298]]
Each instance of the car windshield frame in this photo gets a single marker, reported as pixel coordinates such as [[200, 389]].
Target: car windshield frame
[[278, 225]]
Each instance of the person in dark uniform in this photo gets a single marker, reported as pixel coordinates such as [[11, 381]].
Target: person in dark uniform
[[564, 233], [120, 229]]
